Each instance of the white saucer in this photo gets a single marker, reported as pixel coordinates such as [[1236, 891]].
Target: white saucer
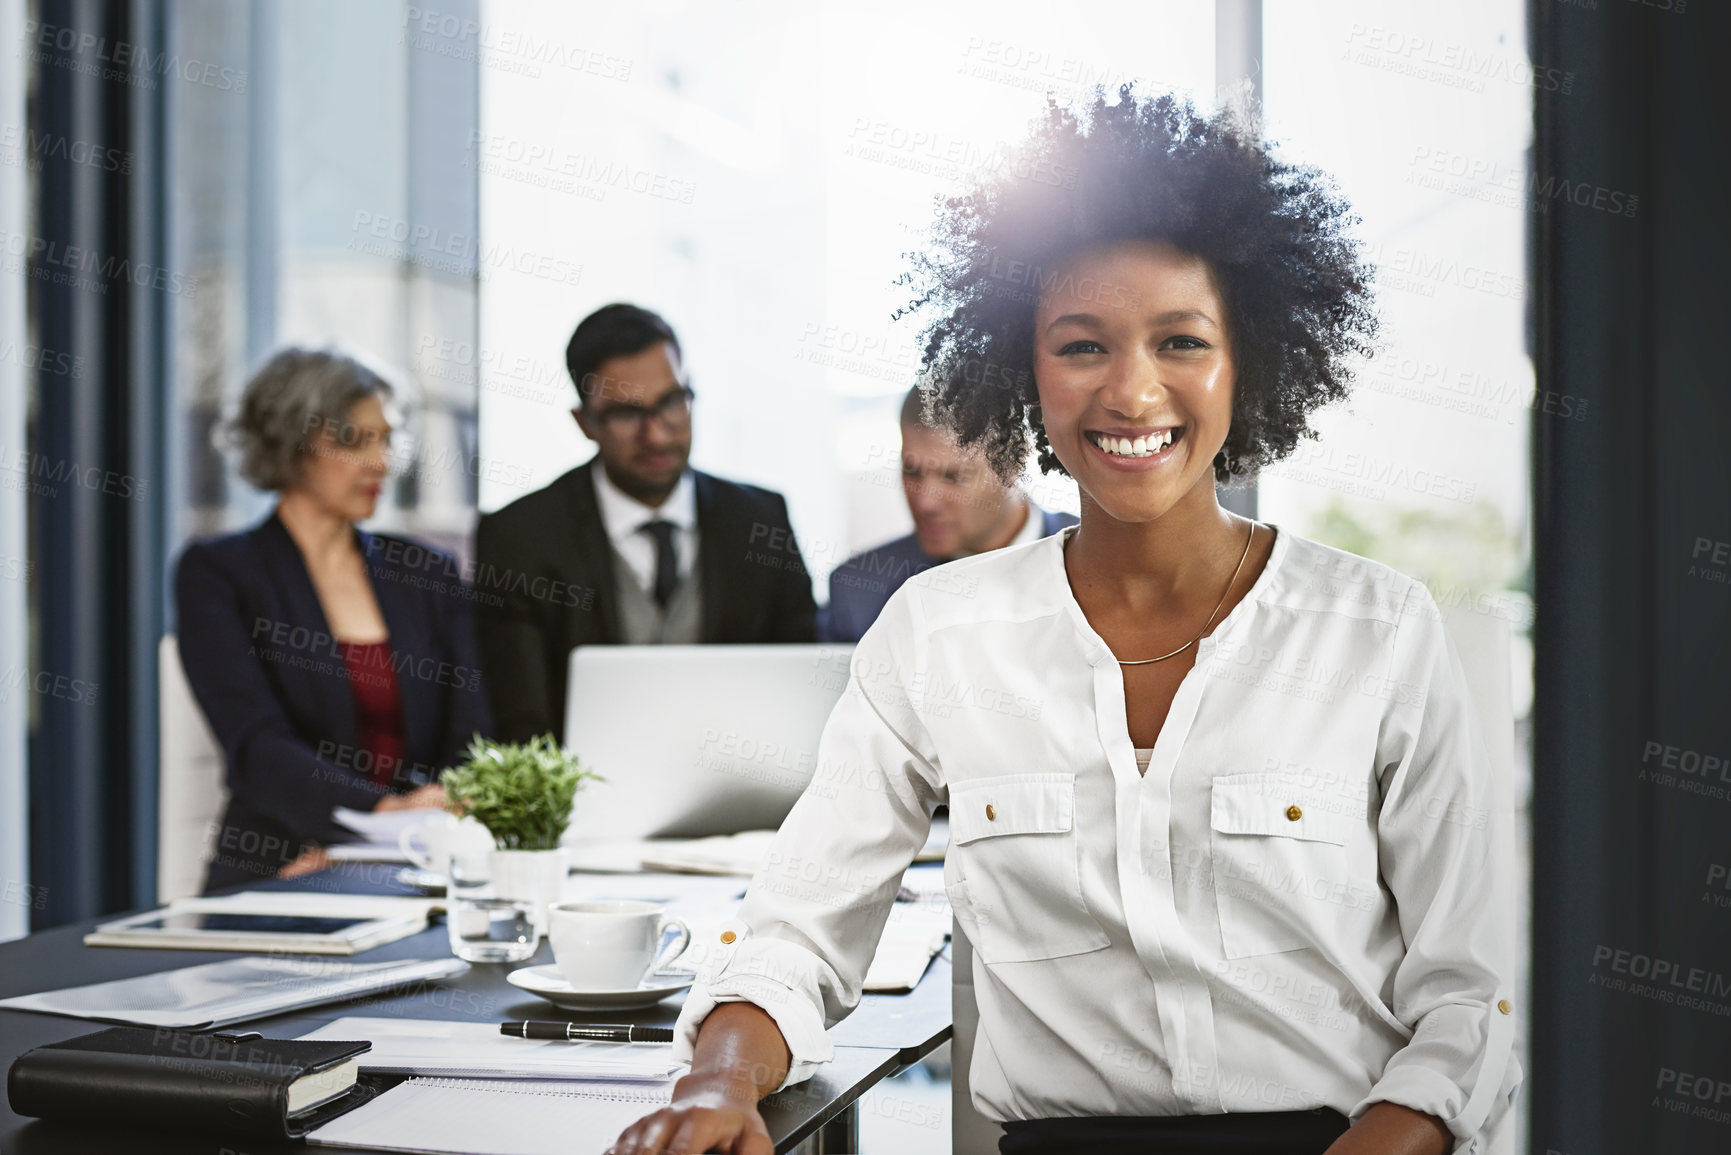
[[428, 880], [547, 982]]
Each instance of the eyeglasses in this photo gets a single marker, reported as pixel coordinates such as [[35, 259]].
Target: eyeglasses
[[674, 410]]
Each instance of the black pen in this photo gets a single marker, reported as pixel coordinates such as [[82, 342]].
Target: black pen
[[587, 1032]]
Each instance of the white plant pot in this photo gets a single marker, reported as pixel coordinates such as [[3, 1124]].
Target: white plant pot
[[536, 876]]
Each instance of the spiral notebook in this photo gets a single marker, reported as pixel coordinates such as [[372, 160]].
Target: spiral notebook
[[495, 1117]]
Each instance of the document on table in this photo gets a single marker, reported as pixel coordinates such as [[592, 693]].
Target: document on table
[[912, 935], [495, 1117], [232, 991], [378, 834], [479, 1051], [697, 899], [727, 854], [740, 854]]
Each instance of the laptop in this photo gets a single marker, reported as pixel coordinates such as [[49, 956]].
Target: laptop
[[696, 740]]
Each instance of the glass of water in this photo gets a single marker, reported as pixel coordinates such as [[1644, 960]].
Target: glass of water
[[483, 926]]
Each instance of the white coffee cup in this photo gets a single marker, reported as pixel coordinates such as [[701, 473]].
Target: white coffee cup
[[431, 843], [612, 944]]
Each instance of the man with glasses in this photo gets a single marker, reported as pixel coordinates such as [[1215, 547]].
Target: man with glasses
[[634, 547]]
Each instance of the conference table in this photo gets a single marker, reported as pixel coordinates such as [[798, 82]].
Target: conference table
[[886, 1033]]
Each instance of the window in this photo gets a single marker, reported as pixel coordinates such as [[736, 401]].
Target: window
[[754, 173], [1424, 116]]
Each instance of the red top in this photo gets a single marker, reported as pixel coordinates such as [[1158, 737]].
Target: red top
[[378, 705]]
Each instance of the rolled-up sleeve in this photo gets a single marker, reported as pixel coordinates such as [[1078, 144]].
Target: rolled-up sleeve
[[812, 916], [1443, 848]]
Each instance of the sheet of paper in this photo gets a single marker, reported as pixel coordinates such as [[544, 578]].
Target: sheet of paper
[[311, 902], [609, 855], [366, 852], [923, 886], [231, 991], [478, 1050], [494, 1117], [381, 828], [903, 954], [684, 895], [740, 853], [377, 841]]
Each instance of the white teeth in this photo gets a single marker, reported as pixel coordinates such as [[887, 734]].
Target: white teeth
[[1139, 447]]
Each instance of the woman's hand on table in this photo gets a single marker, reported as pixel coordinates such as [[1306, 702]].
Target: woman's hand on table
[[739, 1057], [707, 1114], [430, 797], [309, 861]]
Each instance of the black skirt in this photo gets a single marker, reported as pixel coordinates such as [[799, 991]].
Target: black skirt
[[1239, 1133]]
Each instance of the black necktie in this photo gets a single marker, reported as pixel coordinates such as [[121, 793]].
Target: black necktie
[[666, 560]]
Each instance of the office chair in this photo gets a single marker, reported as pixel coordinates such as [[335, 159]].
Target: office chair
[[191, 783]]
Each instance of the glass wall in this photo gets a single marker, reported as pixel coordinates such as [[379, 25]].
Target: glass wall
[[1424, 116], [754, 172], [319, 197]]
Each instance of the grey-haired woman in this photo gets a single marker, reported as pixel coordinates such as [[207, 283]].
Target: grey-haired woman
[[336, 667]]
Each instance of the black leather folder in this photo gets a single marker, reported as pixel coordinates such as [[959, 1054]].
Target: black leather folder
[[232, 1084]]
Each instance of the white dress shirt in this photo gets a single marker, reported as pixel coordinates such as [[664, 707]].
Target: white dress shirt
[[1303, 903], [624, 517], [1033, 525]]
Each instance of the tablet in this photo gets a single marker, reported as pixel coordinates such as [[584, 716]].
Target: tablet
[[224, 924]]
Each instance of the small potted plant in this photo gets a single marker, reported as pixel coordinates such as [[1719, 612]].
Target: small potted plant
[[522, 793]]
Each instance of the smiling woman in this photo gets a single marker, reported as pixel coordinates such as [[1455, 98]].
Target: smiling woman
[[1222, 815], [1268, 247]]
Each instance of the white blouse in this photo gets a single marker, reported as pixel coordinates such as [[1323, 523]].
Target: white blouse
[[1304, 902]]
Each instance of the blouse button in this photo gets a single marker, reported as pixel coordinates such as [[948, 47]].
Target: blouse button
[[991, 813], [1505, 1006], [728, 936], [1293, 813]]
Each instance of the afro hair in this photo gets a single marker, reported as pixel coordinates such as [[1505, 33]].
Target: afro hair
[[1277, 238]]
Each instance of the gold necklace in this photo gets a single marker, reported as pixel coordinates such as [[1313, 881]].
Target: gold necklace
[[1234, 580]]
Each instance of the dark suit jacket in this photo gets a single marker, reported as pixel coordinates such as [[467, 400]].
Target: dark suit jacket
[[861, 586], [258, 653], [545, 585]]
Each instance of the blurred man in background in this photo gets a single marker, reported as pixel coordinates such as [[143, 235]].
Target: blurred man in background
[[635, 547], [959, 508]]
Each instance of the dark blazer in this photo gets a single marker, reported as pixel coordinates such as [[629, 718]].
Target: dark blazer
[[258, 653], [860, 587], [545, 585]]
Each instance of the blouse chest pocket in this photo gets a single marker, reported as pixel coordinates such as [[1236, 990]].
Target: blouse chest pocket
[[1281, 878], [1013, 871]]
